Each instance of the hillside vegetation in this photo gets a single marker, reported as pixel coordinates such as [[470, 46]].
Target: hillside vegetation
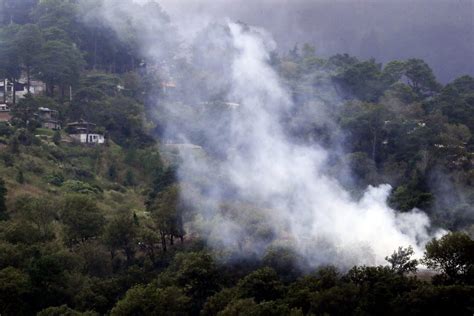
[[92, 229]]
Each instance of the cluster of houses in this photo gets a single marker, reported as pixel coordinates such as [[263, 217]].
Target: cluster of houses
[[80, 131], [10, 91]]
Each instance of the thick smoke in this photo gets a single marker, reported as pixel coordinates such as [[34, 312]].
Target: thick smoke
[[251, 187], [287, 183]]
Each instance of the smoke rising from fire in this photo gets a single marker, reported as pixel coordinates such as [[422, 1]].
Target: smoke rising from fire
[[253, 188]]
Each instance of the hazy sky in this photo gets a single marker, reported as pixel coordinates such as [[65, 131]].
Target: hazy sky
[[441, 32]]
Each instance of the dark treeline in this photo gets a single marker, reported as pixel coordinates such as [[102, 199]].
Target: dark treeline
[[92, 230]]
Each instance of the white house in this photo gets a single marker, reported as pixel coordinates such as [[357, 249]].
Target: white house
[[89, 138], [85, 132], [6, 89]]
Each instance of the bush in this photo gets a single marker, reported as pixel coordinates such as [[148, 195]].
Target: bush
[[75, 186], [56, 179]]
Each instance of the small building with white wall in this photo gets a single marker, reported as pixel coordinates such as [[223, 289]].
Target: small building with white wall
[[85, 133], [90, 138]]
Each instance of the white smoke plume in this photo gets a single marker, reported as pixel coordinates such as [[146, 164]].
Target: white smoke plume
[[287, 183], [258, 189]]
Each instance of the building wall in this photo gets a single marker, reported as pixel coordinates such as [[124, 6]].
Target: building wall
[[51, 125], [93, 138], [36, 88]]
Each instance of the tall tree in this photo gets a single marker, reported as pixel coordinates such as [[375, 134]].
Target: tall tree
[[120, 233], [362, 80], [82, 218], [420, 77], [29, 42], [453, 255], [59, 64], [9, 59], [24, 111], [167, 213], [61, 14]]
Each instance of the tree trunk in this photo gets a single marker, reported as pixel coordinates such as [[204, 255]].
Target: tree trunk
[[163, 241], [5, 88], [374, 144], [94, 64], [28, 78], [14, 92], [152, 254]]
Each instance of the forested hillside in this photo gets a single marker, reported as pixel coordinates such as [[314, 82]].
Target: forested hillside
[[91, 216]]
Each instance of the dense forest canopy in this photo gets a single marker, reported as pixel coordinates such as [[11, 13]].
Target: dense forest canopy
[[147, 168]]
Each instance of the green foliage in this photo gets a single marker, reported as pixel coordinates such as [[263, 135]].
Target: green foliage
[[456, 101], [218, 302], [453, 256], [3, 195], [57, 137], [150, 300], [284, 260], [420, 77], [9, 57], [14, 290], [129, 178], [63, 310], [67, 255], [82, 218], [57, 13], [401, 262], [23, 112], [406, 198], [56, 179], [112, 172], [362, 80], [50, 275], [196, 273], [367, 123], [120, 234], [8, 159], [163, 179], [441, 300], [167, 212], [20, 177], [59, 64], [75, 186], [261, 285], [40, 212], [29, 41]]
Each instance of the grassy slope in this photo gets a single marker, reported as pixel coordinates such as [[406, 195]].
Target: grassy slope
[[90, 165]]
